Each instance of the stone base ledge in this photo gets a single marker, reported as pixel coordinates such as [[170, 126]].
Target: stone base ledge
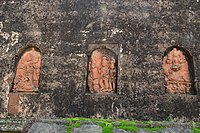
[[12, 124], [86, 126]]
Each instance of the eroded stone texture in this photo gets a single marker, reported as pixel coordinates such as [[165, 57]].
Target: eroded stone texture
[[88, 128], [102, 71], [28, 71], [176, 130], [47, 128], [176, 72]]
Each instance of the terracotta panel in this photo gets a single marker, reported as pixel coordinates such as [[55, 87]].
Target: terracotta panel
[[176, 72], [28, 71], [13, 103], [102, 71]]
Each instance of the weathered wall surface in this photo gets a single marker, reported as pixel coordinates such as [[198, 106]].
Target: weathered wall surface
[[63, 29]]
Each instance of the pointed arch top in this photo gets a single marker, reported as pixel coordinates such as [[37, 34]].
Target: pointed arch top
[[27, 70]]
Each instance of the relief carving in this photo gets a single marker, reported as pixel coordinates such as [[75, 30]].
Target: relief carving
[[176, 72], [27, 72], [102, 71]]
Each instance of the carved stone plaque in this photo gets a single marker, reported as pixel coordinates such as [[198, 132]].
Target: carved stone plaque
[[27, 72], [176, 72], [102, 71]]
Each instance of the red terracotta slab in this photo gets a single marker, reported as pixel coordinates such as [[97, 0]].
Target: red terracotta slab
[[13, 103]]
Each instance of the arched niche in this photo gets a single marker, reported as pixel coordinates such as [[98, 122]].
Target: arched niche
[[102, 71], [178, 70], [27, 73]]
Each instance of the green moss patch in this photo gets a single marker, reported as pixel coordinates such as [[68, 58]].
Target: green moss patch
[[196, 130], [108, 124], [196, 127]]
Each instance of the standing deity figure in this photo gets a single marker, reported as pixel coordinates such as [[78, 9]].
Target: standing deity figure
[[176, 72], [101, 77], [105, 76], [27, 72]]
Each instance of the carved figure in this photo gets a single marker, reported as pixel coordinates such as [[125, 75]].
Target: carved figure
[[176, 72], [102, 69], [105, 74], [28, 71]]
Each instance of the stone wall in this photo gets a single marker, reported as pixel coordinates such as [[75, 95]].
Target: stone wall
[[139, 32]]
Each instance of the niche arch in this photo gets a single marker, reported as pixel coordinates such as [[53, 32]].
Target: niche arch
[[178, 69], [102, 71], [27, 70]]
